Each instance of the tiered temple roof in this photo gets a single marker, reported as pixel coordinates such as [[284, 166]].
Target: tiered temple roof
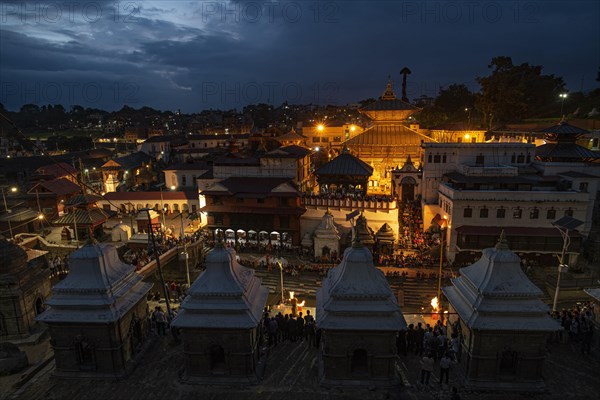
[[356, 296], [363, 231], [561, 146], [385, 234], [100, 288], [226, 295], [495, 294]]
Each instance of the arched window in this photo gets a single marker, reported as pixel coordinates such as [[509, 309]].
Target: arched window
[[359, 364], [39, 306]]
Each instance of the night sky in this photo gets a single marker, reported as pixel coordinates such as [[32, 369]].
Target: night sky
[[225, 54]]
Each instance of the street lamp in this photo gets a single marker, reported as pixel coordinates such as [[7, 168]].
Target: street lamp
[[157, 258], [13, 190], [162, 206], [563, 96], [564, 225], [468, 110], [443, 224], [187, 265]]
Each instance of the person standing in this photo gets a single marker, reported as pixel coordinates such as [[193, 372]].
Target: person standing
[[426, 368], [445, 362]]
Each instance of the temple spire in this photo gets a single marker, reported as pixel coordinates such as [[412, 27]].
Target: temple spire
[[389, 91], [502, 242]]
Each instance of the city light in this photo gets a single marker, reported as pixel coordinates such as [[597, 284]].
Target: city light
[[41, 216], [467, 136], [173, 187], [320, 127], [13, 189], [353, 128]]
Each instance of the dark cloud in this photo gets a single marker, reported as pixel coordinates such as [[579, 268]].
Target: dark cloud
[[189, 55]]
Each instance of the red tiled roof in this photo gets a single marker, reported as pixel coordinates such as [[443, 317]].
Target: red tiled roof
[[166, 195], [56, 170], [60, 187]]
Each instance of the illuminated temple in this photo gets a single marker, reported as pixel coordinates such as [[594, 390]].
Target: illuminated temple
[[388, 142]]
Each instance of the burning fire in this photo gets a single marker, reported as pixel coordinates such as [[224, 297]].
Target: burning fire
[[298, 304], [435, 304]]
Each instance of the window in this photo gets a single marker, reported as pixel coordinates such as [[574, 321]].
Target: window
[[513, 158], [583, 186], [325, 140], [429, 158], [479, 159], [218, 219], [283, 201], [483, 213], [183, 180], [436, 159], [534, 214], [517, 213], [568, 213], [551, 214], [316, 139], [595, 143], [217, 200], [468, 212], [337, 138], [500, 213], [520, 159], [444, 158]]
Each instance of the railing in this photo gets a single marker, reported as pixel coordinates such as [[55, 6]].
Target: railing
[[349, 203]]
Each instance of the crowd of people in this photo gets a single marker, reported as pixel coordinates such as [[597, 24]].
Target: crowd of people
[[293, 327], [577, 324], [164, 243], [58, 265]]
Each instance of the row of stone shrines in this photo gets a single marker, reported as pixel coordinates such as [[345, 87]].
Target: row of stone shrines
[[98, 320]]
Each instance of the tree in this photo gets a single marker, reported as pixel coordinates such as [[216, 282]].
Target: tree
[[513, 92], [454, 100]]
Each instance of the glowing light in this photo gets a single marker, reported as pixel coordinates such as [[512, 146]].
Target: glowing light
[[352, 128], [102, 193], [320, 127], [467, 136], [317, 148], [563, 95], [173, 187], [13, 189], [435, 304], [41, 216]]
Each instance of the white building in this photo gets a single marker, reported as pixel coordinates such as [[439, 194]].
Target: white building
[[481, 189]]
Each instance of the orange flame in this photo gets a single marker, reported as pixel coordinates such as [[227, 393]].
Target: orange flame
[[435, 304]]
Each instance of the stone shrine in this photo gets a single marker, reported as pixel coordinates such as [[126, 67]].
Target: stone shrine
[[24, 287], [503, 323], [98, 315], [327, 239], [220, 321], [359, 318]]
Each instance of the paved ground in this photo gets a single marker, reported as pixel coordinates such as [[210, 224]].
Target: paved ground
[[290, 373]]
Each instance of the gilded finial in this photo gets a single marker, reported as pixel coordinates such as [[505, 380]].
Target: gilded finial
[[502, 242]]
